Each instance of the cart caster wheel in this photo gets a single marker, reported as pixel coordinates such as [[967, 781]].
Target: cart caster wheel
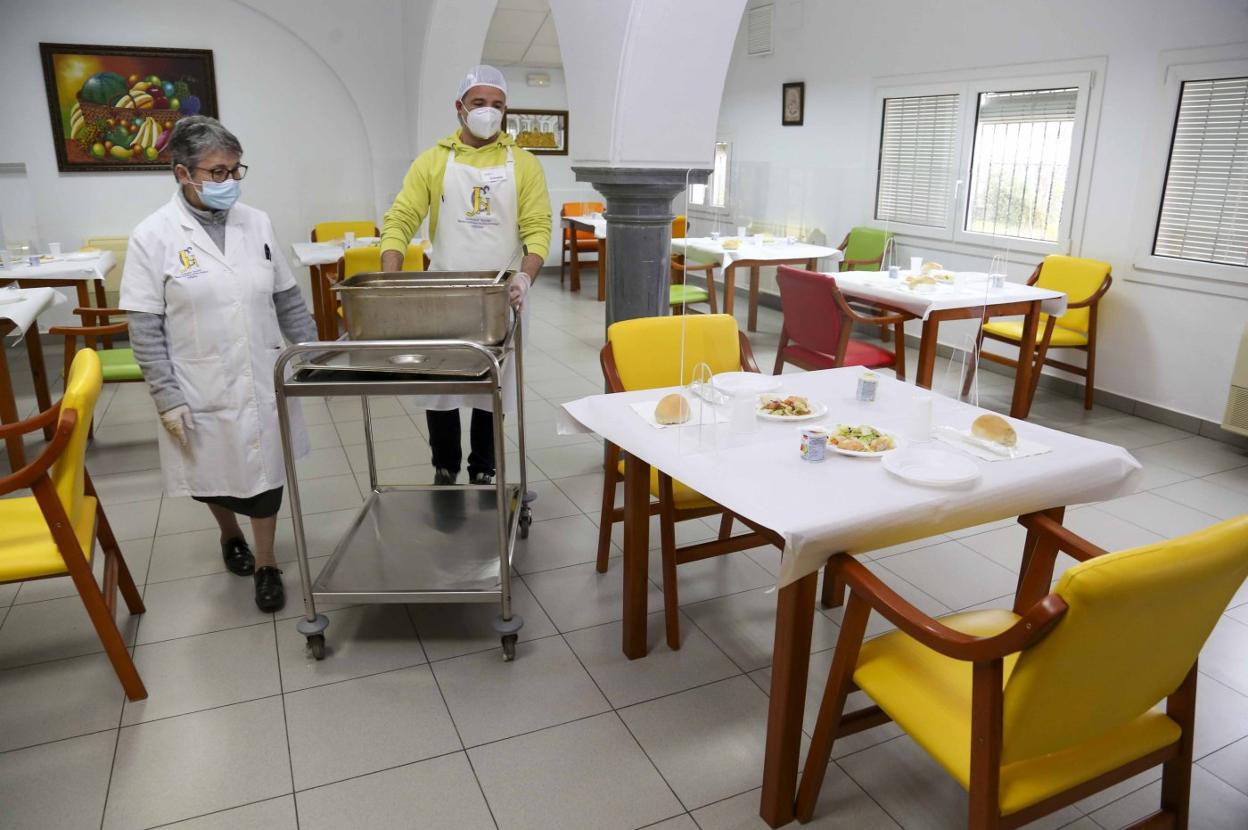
[[509, 648], [526, 519], [316, 645]]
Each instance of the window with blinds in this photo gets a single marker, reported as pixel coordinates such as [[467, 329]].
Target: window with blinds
[[1204, 205], [917, 159], [717, 184], [1020, 162]]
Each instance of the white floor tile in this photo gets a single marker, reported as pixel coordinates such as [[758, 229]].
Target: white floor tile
[[1161, 516], [1214, 804], [198, 605], [31, 800], [953, 574], [1106, 530], [55, 629], [441, 792], [578, 596], [133, 520], [1223, 657], [448, 630], [584, 774], [490, 699], [842, 804], [556, 543], [363, 640], [1230, 764], [1196, 456], [273, 814], [204, 672], [714, 577], [342, 730], [58, 699], [707, 742], [662, 672], [743, 626], [239, 757], [1201, 494]]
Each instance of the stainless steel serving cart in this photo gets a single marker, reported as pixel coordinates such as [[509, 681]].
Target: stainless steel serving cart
[[416, 542]]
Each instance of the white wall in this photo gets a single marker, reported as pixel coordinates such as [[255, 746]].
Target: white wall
[[1162, 346], [316, 96], [560, 180]]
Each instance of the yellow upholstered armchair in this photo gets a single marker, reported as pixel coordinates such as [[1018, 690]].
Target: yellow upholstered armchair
[[645, 353], [53, 531], [1084, 282], [1035, 708]]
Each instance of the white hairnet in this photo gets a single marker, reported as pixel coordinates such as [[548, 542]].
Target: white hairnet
[[483, 75]]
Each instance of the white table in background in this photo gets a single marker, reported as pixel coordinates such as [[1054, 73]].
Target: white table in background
[[77, 270], [18, 319], [842, 504], [968, 297], [753, 256], [321, 260]]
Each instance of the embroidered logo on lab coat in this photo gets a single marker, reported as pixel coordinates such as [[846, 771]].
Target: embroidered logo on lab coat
[[480, 202], [189, 264]]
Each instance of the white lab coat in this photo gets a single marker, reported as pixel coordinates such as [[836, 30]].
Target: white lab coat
[[223, 338], [478, 230]]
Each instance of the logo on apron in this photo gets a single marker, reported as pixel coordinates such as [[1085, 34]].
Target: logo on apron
[[480, 201]]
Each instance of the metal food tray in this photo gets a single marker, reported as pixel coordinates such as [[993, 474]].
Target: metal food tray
[[427, 305], [405, 361]]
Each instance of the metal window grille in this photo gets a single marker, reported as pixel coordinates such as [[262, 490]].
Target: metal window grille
[[1020, 162]]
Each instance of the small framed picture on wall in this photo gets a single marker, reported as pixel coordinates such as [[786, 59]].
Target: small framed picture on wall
[[793, 104]]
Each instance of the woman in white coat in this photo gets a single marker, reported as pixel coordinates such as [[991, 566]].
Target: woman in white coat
[[210, 297]]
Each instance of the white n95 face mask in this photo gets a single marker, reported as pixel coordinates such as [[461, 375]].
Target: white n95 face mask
[[483, 122]]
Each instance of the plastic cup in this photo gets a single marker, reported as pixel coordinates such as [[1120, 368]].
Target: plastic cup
[[921, 418], [916, 264], [741, 229], [348, 239], [714, 236], [54, 248]]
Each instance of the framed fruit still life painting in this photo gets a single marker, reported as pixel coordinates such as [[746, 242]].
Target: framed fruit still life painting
[[114, 107]]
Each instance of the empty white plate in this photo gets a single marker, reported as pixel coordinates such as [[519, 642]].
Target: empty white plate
[[931, 467]]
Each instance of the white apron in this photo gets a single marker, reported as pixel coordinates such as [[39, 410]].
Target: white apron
[[478, 230], [224, 341]]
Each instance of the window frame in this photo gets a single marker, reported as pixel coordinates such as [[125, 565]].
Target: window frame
[[1208, 277], [706, 209], [968, 84]]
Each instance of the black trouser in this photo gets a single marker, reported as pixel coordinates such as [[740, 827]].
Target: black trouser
[[444, 440]]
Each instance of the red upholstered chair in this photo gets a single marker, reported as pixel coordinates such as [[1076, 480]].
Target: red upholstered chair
[[818, 322]]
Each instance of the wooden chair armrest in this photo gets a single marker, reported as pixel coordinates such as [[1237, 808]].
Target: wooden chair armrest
[[1035, 275], [935, 635], [26, 476], [1068, 541], [89, 331], [747, 353], [844, 243], [858, 317], [91, 311], [30, 424]]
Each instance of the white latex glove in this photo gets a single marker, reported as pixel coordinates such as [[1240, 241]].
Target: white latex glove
[[179, 422], [517, 288]]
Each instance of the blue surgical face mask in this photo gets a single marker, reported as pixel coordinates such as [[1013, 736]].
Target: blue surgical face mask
[[220, 195]]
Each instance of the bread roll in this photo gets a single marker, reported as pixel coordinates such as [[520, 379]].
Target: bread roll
[[931, 266], [994, 428], [672, 409], [731, 244]]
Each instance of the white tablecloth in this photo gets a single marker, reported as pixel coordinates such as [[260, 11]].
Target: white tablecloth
[[32, 303], [588, 223], [95, 268], [970, 290], [709, 251], [326, 253], [853, 504]]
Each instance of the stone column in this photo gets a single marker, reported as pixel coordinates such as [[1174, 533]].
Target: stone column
[[639, 234]]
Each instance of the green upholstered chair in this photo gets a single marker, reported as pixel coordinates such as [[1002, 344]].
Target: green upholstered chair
[[118, 365], [863, 249], [680, 293]]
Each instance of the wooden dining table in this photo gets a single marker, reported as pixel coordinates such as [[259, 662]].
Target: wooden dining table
[[596, 225], [21, 317], [969, 297], [841, 505]]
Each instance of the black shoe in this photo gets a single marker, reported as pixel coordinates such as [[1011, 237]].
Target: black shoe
[[480, 478], [442, 477], [238, 558], [270, 595]]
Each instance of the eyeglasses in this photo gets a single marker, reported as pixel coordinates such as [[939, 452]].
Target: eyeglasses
[[220, 174]]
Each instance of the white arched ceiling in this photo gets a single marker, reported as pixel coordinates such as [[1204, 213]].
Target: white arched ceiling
[[454, 39], [645, 77]]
